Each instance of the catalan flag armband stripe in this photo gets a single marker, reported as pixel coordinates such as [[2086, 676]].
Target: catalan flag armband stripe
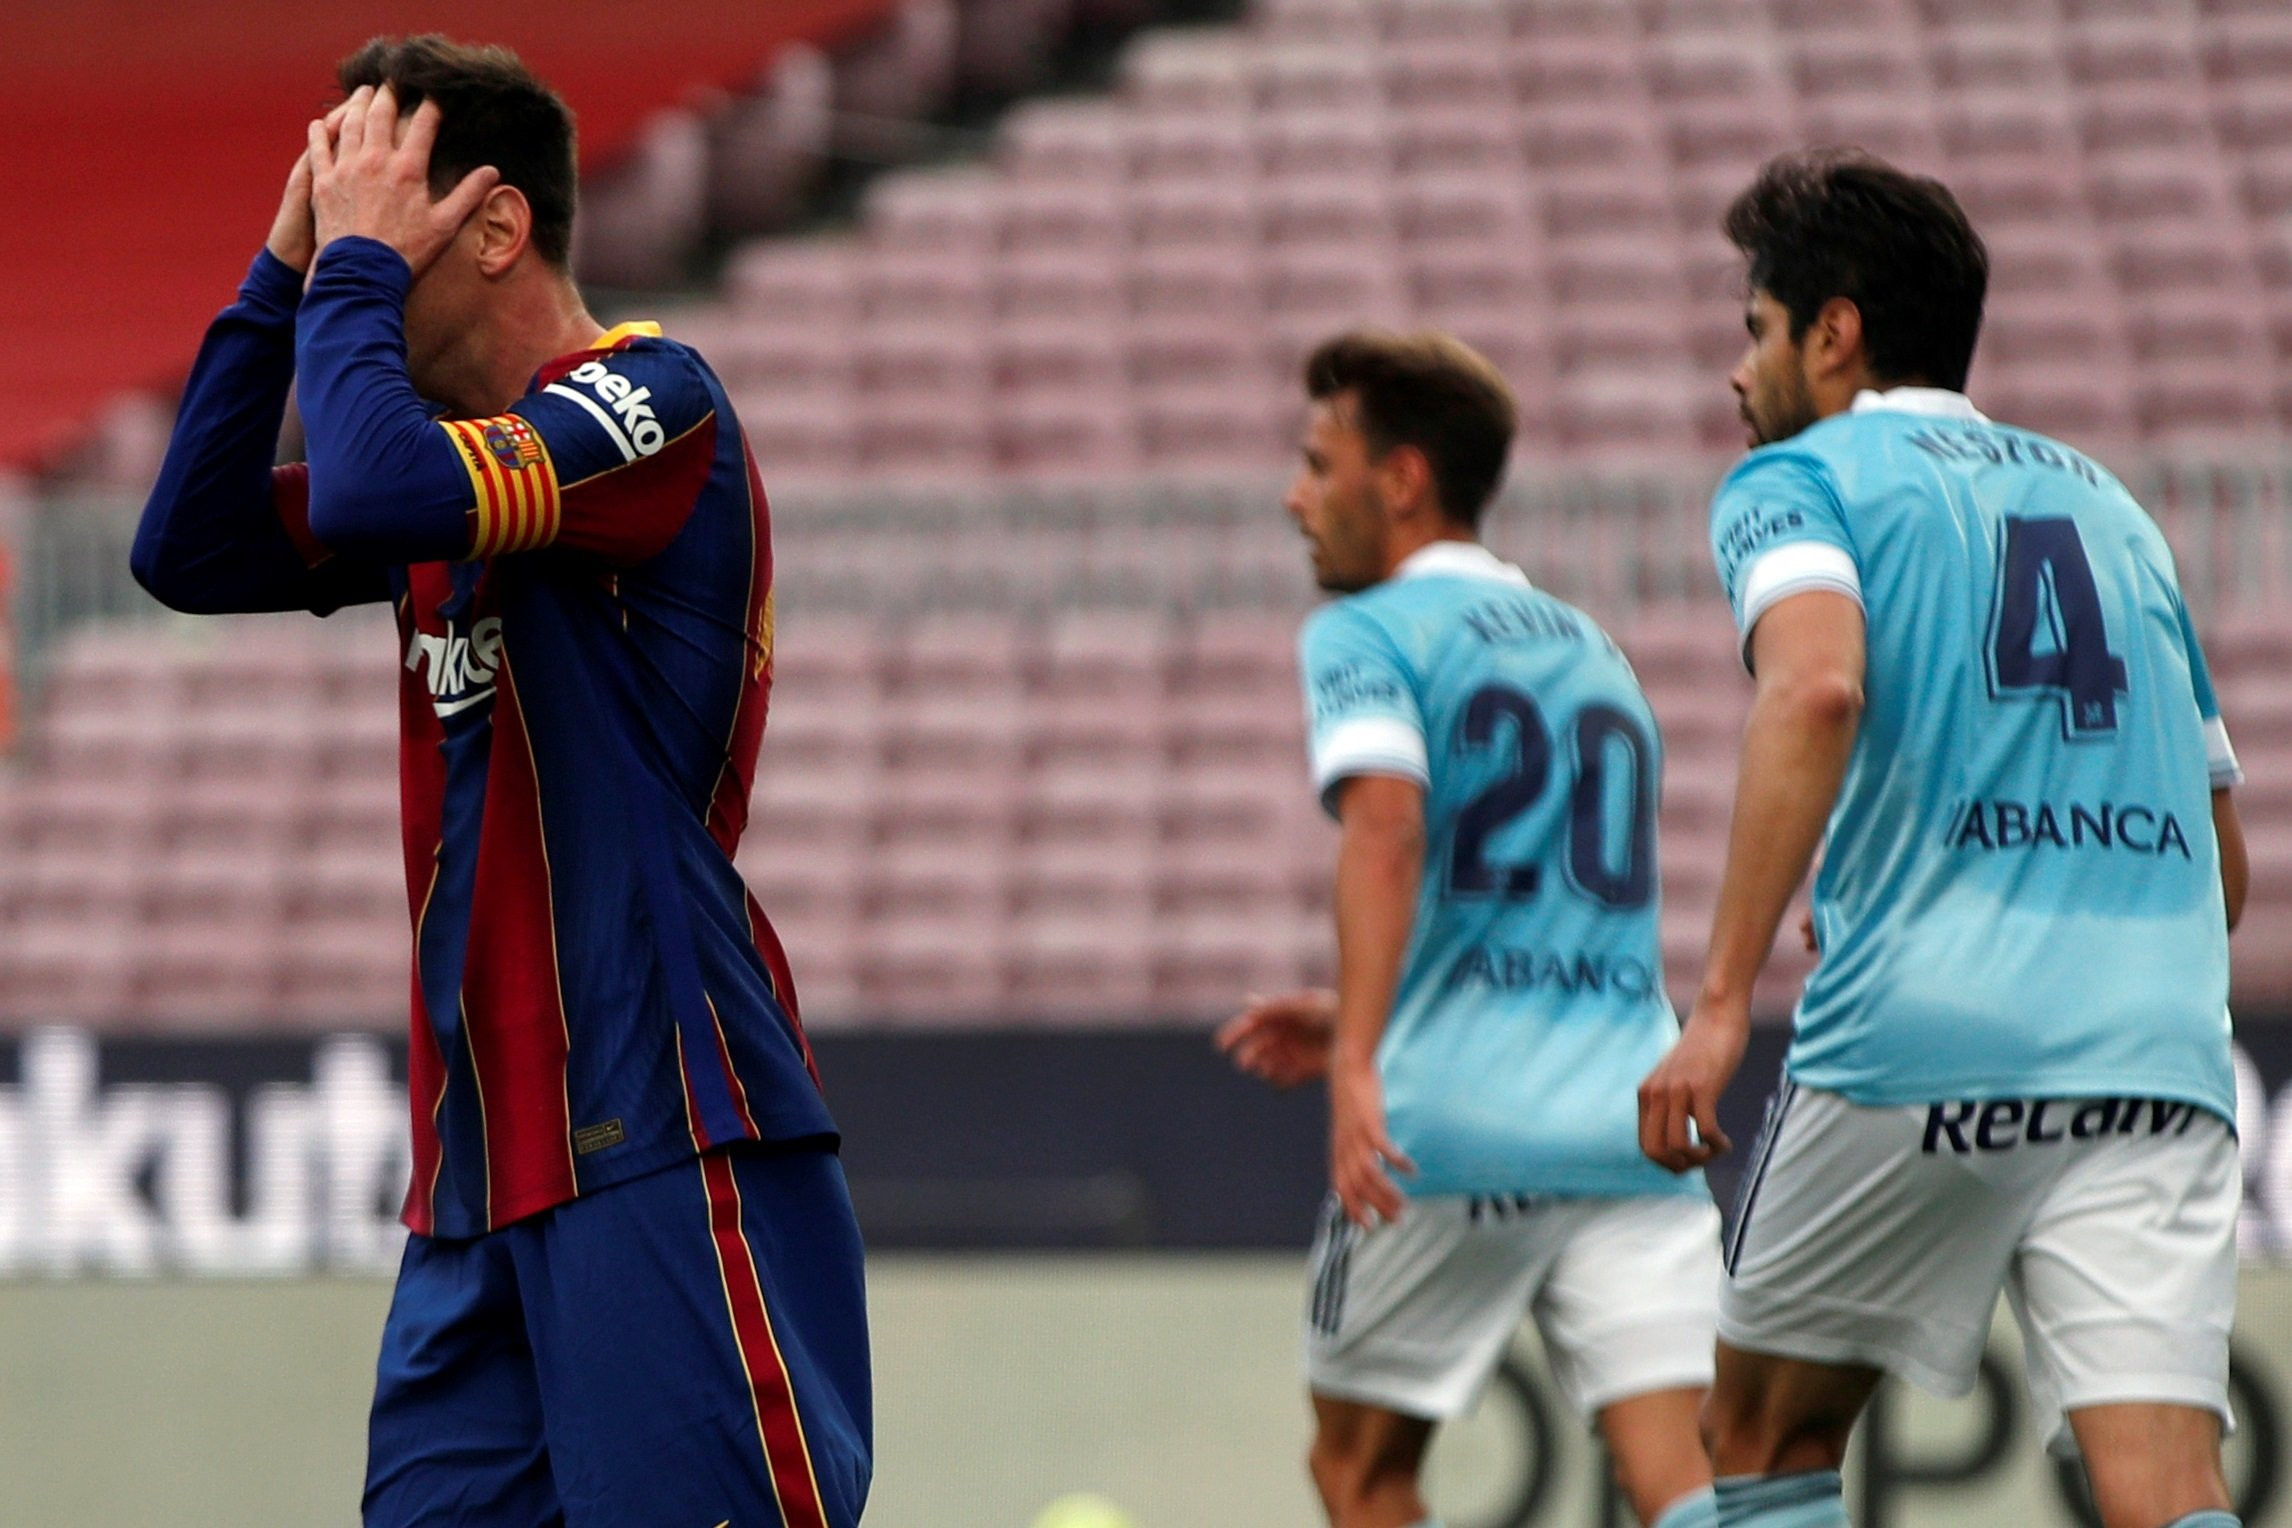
[[518, 505]]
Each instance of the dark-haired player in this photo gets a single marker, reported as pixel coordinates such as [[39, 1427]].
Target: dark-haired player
[[1979, 691], [632, 1295], [1495, 769]]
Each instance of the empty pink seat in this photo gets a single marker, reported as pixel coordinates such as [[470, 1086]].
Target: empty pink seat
[[811, 280], [1338, 144], [1611, 268], [2108, 55], [802, 436], [1182, 285], [1050, 875], [346, 974], [917, 284], [948, 967], [1190, 149], [1343, 211], [2144, 117], [1439, 138], [1854, 62], [1061, 432], [1118, 655], [1184, 428], [1455, 283], [1465, 72], [1563, 135], [1185, 73], [1335, 286], [2265, 182], [1194, 214], [943, 211], [1201, 352], [1314, 76], [73, 970], [1575, 66], [1088, 220], [1064, 141], [212, 976], [1981, 57], [2006, 119], [2075, 403], [780, 355], [1598, 205]]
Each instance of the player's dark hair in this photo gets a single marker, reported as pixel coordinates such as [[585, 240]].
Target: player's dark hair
[[491, 110], [1429, 391], [1843, 223]]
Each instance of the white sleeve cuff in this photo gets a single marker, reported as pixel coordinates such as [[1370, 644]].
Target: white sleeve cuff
[[1370, 745], [1794, 568], [2220, 755]]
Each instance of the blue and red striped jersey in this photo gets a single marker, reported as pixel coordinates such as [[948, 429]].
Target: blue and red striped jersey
[[583, 587], [596, 994]]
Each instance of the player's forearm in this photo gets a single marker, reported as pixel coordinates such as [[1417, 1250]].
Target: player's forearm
[[210, 539], [2235, 863], [385, 484], [1378, 866], [1795, 754]]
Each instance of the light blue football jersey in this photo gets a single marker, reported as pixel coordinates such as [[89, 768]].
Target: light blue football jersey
[[2020, 888], [1531, 1001]]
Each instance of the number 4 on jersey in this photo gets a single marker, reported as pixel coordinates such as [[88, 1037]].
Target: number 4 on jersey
[[2049, 635]]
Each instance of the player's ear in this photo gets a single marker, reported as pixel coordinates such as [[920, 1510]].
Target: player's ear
[[1405, 474], [504, 226], [1834, 339]]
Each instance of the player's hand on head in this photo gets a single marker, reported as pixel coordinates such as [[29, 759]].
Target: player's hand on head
[[370, 178], [1679, 1101], [294, 235], [1362, 1156], [1285, 1039]]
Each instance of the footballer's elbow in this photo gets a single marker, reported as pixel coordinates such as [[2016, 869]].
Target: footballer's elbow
[[164, 577], [1826, 700]]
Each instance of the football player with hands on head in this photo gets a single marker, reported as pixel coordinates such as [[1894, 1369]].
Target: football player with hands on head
[[633, 1289]]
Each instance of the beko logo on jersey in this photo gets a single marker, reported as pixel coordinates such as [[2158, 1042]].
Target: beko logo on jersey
[[461, 670], [1990, 826], [631, 424]]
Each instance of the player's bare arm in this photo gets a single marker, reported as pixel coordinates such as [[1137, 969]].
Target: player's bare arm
[[2235, 865], [1379, 859], [1808, 655], [1284, 1039]]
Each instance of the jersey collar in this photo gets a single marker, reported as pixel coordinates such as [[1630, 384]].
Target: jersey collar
[[621, 334], [1463, 559], [1933, 402]]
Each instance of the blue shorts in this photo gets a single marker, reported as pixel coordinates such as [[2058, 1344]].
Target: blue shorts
[[688, 1347]]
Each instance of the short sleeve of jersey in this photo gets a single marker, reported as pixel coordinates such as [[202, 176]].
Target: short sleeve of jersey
[[1362, 716], [2219, 752], [1776, 531], [606, 456]]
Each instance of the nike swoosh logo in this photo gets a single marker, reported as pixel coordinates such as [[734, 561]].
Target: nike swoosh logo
[[455, 708]]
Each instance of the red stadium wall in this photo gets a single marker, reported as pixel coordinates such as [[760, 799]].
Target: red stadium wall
[[147, 141]]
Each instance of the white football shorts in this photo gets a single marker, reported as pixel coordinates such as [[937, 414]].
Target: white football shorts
[[1882, 1236], [1414, 1317]]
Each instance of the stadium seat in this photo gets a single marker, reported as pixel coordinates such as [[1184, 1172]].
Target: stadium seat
[[1064, 142]]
